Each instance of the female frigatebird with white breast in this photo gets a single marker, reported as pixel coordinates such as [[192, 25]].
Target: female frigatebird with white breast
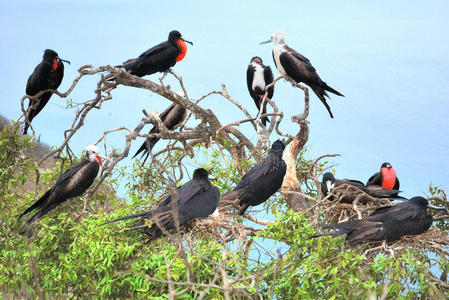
[[172, 117], [386, 178], [388, 223], [298, 68], [47, 75], [197, 198], [73, 182], [160, 58], [258, 76], [261, 181]]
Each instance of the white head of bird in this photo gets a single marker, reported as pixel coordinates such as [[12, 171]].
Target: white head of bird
[[277, 38], [93, 153]]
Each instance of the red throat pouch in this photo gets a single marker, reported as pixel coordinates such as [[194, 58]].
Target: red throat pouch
[[55, 64], [388, 178], [100, 161], [182, 49]]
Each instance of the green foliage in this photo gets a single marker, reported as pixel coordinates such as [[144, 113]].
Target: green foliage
[[71, 255]]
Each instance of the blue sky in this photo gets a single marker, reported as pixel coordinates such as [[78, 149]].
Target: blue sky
[[389, 58]]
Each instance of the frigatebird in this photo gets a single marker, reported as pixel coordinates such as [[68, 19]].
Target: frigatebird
[[261, 181], [195, 199], [172, 117], [47, 75], [159, 58], [297, 67], [258, 76], [329, 183], [72, 183], [386, 178], [388, 223]]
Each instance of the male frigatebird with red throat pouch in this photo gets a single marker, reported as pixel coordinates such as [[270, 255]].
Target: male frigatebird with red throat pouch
[[47, 75], [329, 183], [296, 66], [386, 178], [73, 182], [160, 58], [258, 76]]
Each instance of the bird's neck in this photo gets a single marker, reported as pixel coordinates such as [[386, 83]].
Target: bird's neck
[[182, 49], [55, 64]]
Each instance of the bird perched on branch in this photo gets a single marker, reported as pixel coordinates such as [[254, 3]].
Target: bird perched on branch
[[172, 117], [72, 183], [388, 223], [195, 199], [261, 181], [329, 183], [386, 178], [258, 76], [47, 75], [297, 67], [160, 58]]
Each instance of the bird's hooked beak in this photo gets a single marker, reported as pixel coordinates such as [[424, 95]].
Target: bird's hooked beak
[[104, 157], [437, 208], [266, 42], [186, 41], [64, 60]]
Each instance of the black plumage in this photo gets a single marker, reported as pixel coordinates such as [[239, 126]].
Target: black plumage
[[261, 181], [159, 58], [47, 75], [296, 66], [258, 76], [388, 223], [329, 183], [73, 182], [172, 117], [386, 178], [195, 199]]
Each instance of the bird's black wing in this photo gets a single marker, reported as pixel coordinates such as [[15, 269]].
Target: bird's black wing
[[154, 50], [259, 170], [200, 206], [299, 67], [70, 172], [396, 184], [268, 76], [249, 81], [375, 179], [38, 80]]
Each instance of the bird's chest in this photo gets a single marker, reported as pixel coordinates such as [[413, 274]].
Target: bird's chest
[[53, 79], [276, 57], [258, 80]]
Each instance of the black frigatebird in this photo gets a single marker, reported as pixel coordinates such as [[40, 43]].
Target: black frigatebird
[[258, 76], [172, 117], [160, 58], [388, 223], [73, 182], [386, 178], [47, 75], [261, 181], [195, 199], [329, 183], [294, 65]]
